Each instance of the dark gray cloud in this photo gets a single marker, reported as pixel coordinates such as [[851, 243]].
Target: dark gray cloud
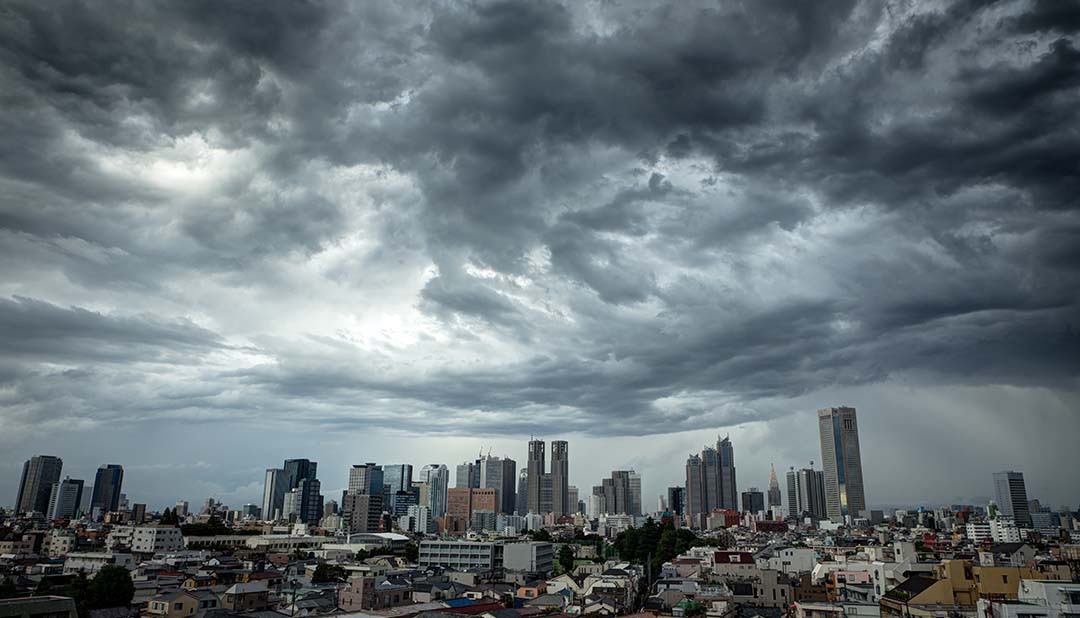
[[495, 218]]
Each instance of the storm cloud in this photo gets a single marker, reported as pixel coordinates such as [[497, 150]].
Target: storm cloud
[[484, 220]]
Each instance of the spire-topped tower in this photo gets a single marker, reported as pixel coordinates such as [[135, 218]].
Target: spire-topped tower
[[774, 490]]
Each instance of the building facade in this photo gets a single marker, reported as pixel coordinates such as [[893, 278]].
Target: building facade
[[841, 462], [39, 474], [1010, 492], [107, 485]]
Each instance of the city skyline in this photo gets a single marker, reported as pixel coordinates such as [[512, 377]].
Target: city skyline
[[398, 232], [277, 476]]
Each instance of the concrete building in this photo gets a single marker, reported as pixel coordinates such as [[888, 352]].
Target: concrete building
[[107, 485], [461, 555], [92, 562], [1011, 495], [500, 474], [39, 474], [532, 557], [38, 607], [64, 499], [362, 512], [841, 462], [676, 500], [521, 506], [462, 502]]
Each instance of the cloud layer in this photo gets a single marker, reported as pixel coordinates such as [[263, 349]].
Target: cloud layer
[[497, 219]]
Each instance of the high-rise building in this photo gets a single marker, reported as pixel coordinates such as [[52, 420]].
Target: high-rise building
[[467, 475], [807, 494], [536, 467], [274, 490], [841, 463], [39, 474], [620, 494], [753, 500], [676, 500], [362, 512], [500, 474], [522, 504], [710, 480], [107, 485], [65, 498], [1011, 495], [729, 494], [366, 479], [573, 491], [303, 497], [437, 477], [774, 498], [560, 478], [397, 477]]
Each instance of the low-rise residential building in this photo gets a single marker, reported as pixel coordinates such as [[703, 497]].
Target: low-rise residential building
[[183, 603], [246, 597], [91, 562]]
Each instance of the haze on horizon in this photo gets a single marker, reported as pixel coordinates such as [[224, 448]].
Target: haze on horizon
[[234, 233]]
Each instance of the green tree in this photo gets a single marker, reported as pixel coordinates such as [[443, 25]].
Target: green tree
[[412, 552], [111, 587], [79, 590], [327, 573], [43, 587], [7, 588], [566, 558], [540, 535]]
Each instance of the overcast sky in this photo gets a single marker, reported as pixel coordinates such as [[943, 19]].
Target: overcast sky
[[237, 232]]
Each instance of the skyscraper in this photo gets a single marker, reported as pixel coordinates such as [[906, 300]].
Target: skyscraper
[[437, 477], [710, 481], [397, 477], [806, 493], [536, 467], [634, 503], [753, 500], [620, 494], [774, 498], [107, 485], [274, 490], [366, 479], [729, 495], [467, 475], [522, 504], [39, 474], [676, 500], [1011, 495], [560, 478], [500, 474], [841, 463], [303, 496], [65, 498]]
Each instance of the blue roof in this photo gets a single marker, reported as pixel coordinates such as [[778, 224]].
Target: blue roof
[[461, 602]]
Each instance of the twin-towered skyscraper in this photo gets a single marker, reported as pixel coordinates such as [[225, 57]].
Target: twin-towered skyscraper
[[549, 492]]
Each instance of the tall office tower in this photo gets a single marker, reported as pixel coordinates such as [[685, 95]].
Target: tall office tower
[[844, 493], [438, 480], [775, 498], [792, 494], [181, 509], [560, 478], [522, 504], [425, 472], [466, 475], [753, 500], [65, 498], [807, 494], [634, 504], [573, 499], [695, 488], [274, 490], [303, 490], [1011, 495], [366, 479], [296, 469], [39, 474], [500, 474], [728, 497], [397, 477], [536, 466], [107, 484], [676, 500], [545, 493], [362, 512]]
